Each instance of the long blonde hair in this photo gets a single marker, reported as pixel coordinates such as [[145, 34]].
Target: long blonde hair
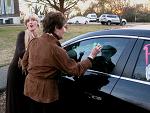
[[28, 34]]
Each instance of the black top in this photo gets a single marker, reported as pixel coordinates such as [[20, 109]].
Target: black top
[[15, 100]]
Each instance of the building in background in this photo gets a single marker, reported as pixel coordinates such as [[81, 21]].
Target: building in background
[[9, 12]]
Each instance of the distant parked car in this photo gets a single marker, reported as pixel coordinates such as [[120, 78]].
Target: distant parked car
[[112, 19], [92, 17], [78, 20]]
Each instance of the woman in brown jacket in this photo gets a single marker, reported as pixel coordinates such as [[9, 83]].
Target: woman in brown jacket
[[45, 59]]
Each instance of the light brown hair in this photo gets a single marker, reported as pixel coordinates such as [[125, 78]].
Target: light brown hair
[[53, 20]]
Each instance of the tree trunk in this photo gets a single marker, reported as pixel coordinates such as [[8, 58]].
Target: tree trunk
[[16, 8]]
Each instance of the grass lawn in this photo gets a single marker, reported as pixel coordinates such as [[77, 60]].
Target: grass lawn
[[8, 35]]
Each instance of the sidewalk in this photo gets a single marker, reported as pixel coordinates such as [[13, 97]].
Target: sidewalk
[[3, 77]]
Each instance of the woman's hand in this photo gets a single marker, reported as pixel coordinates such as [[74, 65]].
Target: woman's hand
[[95, 51]]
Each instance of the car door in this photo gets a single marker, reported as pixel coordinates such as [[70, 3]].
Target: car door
[[97, 83], [116, 19], [133, 88]]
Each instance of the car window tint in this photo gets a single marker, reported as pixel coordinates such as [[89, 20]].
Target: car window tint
[[142, 69], [107, 59], [109, 16]]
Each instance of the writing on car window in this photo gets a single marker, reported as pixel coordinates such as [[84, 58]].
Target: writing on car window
[[147, 53]]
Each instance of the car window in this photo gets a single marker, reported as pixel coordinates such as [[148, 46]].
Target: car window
[[107, 59], [114, 16], [103, 15], [93, 16], [142, 69], [109, 16]]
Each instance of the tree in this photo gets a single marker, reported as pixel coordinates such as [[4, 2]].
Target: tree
[[118, 6], [92, 8], [59, 5], [16, 8], [102, 5]]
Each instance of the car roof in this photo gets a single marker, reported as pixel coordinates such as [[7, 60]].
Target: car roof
[[78, 16], [108, 14], [137, 31], [91, 14]]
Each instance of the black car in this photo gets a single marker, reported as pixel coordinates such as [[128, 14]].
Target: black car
[[119, 80]]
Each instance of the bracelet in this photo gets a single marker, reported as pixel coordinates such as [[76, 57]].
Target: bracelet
[[90, 59]]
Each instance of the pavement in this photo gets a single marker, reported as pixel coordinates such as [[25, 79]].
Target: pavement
[[3, 78]]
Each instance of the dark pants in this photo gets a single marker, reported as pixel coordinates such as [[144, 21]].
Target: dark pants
[[37, 107]]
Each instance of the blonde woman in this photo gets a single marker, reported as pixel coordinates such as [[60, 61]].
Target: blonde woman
[[16, 102]]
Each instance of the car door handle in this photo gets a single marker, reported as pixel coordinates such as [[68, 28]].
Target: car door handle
[[94, 97]]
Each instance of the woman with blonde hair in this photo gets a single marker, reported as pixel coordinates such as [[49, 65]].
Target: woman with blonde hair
[[16, 102]]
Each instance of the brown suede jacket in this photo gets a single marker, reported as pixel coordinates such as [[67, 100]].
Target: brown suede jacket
[[44, 59]]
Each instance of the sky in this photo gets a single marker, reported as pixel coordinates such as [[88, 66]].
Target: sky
[[24, 8], [139, 1]]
